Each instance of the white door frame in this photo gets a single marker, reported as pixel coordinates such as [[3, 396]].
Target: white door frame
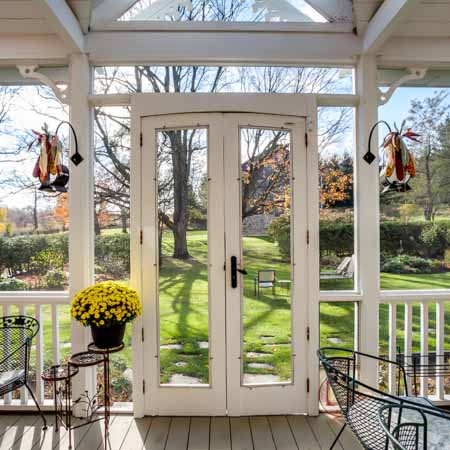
[[302, 105]]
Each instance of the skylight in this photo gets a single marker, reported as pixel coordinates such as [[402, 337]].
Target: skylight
[[224, 11]]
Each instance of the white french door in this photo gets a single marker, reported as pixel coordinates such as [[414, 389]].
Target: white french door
[[225, 308], [266, 321]]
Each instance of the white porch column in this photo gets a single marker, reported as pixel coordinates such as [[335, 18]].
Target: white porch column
[[81, 241], [367, 215]]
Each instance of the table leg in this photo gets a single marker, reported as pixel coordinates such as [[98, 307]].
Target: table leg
[[55, 400], [69, 410], [106, 388]]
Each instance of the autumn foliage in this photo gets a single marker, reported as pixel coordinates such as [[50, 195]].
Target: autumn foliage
[[62, 211]]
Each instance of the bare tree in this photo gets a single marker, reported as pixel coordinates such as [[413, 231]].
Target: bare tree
[[8, 152], [199, 79]]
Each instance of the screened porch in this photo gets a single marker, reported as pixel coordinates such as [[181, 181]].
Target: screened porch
[[211, 175]]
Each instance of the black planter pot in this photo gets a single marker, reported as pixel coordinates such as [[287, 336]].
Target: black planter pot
[[108, 337]]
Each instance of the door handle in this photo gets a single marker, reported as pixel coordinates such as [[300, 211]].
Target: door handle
[[234, 271]]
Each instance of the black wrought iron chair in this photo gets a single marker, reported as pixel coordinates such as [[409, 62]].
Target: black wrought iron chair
[[16, 337], [405, 427], [360, 403]]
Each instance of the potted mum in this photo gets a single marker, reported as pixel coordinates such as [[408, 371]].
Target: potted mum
[[106, 307]]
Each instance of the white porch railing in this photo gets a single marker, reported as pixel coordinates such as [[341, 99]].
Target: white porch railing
[[46, 308], [426, 301]]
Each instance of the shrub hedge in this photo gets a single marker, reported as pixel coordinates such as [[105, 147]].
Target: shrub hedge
[[112, 251], [422, 239], [412, 264], [34, 253]]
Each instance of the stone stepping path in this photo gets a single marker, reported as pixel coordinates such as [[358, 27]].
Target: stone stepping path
[[181, 364], [251, 378], [178, 378], [277, 345], [261, 366], [258, 355], [171, 347], [266, 337]]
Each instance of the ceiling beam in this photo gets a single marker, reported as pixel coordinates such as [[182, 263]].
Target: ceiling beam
[[383, 23], [32, 49], [222, 48], [65, 23], [418, 52]]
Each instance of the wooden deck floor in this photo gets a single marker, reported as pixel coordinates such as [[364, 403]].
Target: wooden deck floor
[[188, 433]]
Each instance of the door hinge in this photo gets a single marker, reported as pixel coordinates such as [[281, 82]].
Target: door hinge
[[142, 335], [308, 333], [307, 385], [306, 139], [141, 237], [143, 386], [307, 237], [141, 139]]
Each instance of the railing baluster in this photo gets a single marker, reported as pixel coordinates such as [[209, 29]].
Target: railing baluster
[[408, 340], [392, 346], [39, 356], [424, 346], [23, 390], [55, 334], [440, 360], [7, 398]]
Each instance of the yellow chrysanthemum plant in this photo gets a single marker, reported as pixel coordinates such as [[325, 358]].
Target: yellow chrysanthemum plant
[[106, 307]]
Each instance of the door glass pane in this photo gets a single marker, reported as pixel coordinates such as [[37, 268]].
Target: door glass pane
[[266, 224], [182, 182]]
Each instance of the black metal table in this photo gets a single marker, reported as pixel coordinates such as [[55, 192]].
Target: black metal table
[[424, 366], [97, 406]]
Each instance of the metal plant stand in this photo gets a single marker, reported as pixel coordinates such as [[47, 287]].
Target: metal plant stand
[[95, 407], [60, 376]]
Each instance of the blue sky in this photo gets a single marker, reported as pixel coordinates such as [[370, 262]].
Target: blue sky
[[398, 106]]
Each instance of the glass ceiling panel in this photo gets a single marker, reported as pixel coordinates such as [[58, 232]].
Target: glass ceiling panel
[[228, 11]]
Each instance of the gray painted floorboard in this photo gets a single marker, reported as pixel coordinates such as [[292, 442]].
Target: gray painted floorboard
[[24, 432]]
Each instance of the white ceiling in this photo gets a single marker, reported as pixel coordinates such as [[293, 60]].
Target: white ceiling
[[26, 16], [430, 19]]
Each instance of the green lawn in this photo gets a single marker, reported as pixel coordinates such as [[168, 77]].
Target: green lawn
[[266, 322]]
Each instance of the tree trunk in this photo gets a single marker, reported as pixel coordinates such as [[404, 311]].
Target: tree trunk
[[180, 193], [429, 202], [96, 224], [35, 211], [124, 220]]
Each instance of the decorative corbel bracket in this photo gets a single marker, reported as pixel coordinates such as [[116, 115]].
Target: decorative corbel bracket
[[31, 72], [414, 74]]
